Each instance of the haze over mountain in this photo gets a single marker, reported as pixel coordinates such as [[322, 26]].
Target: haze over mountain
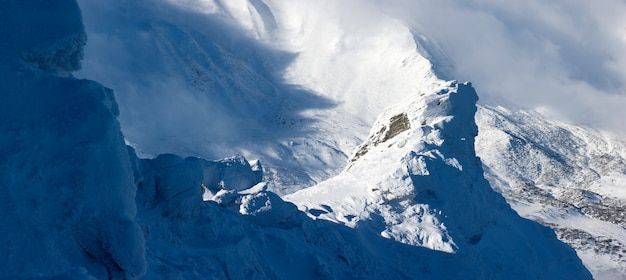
[[347, 109]]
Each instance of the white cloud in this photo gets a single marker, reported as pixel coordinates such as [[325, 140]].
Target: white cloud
[[567, 56]]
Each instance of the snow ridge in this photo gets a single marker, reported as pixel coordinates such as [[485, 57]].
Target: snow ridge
[[80, 204], [300, 95], [417, 180]]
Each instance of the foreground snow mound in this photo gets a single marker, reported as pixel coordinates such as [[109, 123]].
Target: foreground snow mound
[[245, 232], [68, 190], [570, 178], [68, 194], [418, 181]]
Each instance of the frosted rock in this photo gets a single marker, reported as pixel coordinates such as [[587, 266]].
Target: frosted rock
[[48, 35]]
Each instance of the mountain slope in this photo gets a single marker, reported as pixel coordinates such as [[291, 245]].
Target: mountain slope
[[567, 177], [267, 80], [299, 94], [416, 180], [78, 204]]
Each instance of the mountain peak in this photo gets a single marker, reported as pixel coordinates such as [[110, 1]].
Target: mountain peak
[[417, 180], [421, 115]]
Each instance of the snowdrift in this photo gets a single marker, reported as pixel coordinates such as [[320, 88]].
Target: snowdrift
[[68, 202]]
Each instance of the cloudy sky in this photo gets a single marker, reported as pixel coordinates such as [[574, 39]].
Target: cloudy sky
[[566, 58]]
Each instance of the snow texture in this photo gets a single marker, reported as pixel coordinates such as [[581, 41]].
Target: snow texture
[[264, 79], [68, 202], [79, 203], [47, 35], [416, 180], [570, 178]]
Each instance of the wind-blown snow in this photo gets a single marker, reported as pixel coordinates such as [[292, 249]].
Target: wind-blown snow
[[562, 57], [267, 80]]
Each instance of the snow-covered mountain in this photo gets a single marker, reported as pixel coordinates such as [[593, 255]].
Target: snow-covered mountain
[[267, 80], [416, 180], [567, 177], [294, 86]]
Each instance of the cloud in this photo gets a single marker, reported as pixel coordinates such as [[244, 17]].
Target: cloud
[[566, 57], [187, 82], [132, 48]]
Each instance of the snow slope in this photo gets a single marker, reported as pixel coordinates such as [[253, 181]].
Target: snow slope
[[215, 79], [78, 204], [416, 180], [267, 80], [570, 178]]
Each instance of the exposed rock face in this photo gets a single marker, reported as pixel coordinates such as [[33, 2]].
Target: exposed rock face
[[397, 124]]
